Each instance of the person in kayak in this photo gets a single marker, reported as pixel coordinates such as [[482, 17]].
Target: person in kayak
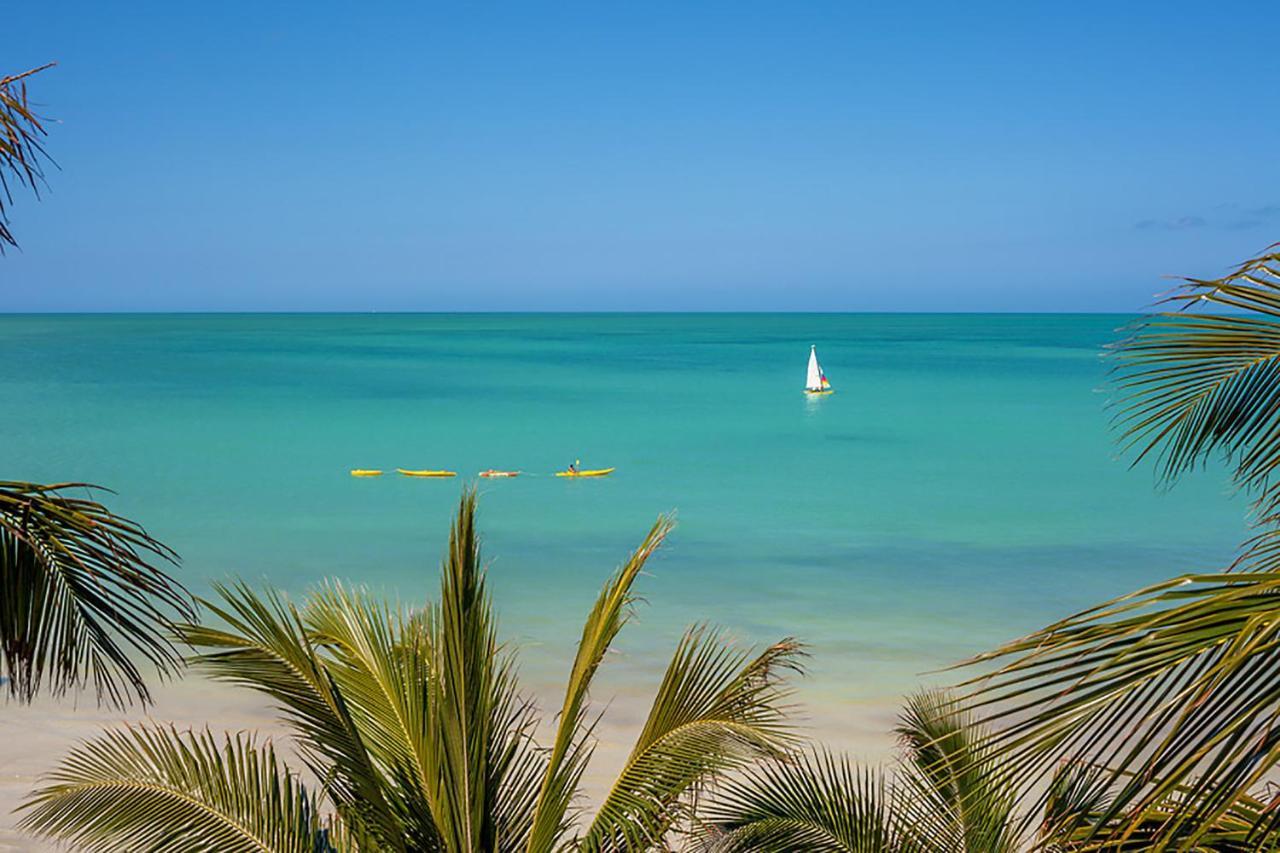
[[573, 469]]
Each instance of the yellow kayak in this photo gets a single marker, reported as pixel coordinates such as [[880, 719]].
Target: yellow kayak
[[365, 472], [425, 473], [598, 472]]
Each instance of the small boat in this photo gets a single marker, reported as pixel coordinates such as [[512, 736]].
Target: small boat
[[427, 473], [598, 472], [491, 473], [366, 472], [816, 382]]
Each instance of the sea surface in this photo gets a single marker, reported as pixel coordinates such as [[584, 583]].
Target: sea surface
[[960, 488]]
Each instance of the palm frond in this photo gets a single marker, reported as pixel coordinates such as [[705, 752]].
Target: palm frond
[[953, 790], [266, 648], [481, 728], [718, 709], [154, 788], [380, 662], [1192, 384], [812, 801], [553, 809], [1078, 818], [517, 765], [411, 719], [948, 793], [1169, 687], [80, 589], [22, 157], [1078, 795]]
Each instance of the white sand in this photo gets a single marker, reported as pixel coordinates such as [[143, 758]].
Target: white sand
[[34, 738]]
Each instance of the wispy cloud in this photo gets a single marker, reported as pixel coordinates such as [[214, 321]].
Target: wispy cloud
[[1253, 217], [1232, 217], [1182, 223]]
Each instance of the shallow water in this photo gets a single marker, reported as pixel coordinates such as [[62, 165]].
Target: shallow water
[[960, 488]]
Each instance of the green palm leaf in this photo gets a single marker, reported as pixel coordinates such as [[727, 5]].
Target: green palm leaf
[[22, 156], [156, 789], [1078, 795], [813, 801], [1195, 384], [553, 809], [481, 730], [266, 648], [1171, 689], [1079, 804], [81, 592], [1168, 687], [379, 661], [955, 792], [411, 720], [462, 690], [433, 700], [949, 793], [718, 708]]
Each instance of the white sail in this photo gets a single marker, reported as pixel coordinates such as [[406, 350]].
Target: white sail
[[813, 382]]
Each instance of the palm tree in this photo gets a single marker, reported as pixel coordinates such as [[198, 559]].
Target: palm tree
[[21, 155], [412, 724], [83, 595], [1172, 693], [948, 794]]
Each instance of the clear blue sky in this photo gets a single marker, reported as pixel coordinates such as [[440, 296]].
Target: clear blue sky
[[738, 155]]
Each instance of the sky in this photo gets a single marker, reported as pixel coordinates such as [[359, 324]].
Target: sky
[[804, 156]]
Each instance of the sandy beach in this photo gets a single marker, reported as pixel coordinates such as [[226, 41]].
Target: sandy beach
[[35, 737]]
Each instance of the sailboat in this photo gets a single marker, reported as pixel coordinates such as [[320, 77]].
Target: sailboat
[[816, 382]]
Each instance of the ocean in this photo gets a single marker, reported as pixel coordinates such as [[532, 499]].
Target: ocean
[[960, 488]]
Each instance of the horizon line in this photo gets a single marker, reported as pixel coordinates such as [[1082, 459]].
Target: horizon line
[[584, 312]]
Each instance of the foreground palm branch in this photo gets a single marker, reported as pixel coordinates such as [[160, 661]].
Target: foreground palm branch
[[21, 155], [1173, 688], [812, 801], [181, 791], [946, 794], [1195, 384], [414, 727], [718, 709], [1079, 802], [954, 793], [1172, 693], [82, 594]]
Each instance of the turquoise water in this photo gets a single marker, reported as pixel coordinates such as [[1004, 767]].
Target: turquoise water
[[960, 487]]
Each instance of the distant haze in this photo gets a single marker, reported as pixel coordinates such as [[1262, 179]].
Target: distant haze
[[653, 156]]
